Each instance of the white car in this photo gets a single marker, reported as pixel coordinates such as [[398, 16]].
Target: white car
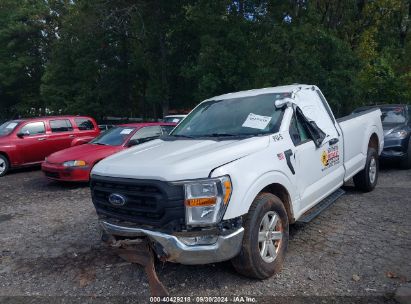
[[174, 118], [232, 176]]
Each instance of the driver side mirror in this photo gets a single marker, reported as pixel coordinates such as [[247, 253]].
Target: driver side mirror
[[280, 103], [22, 134], [133, 142]]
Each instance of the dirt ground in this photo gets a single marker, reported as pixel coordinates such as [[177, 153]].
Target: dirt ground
[[50, 246]]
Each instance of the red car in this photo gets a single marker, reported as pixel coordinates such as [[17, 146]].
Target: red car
[[26, 142], [75, 163]]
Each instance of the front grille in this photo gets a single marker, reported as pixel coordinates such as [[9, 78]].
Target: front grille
[[149, 203], [52, 174]]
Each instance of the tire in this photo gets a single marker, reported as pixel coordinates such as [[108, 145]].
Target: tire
[[406, 161], [250, 261], [364, 180], [4, 165]]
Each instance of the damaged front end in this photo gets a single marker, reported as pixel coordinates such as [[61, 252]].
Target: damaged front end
[[189, 248], [140, 218], [138, 251]]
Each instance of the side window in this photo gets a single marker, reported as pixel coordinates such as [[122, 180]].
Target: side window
[[61, 125], [33, 128], [147, 133], [298, 131], [295, 135], [84, 124], [316, 109]]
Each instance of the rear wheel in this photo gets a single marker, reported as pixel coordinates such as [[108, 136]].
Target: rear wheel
[[406, 162], [265, 238], [366, 179], [4, 165]]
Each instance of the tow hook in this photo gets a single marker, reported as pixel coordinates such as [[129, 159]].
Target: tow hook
[[138, 251]]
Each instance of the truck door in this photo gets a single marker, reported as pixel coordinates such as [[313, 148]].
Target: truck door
[[319, 167], [307, 172]]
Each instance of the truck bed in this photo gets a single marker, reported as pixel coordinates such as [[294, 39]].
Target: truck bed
[[355, 128]]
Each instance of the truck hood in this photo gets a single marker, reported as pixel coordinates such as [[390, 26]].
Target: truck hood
[[178, 159]]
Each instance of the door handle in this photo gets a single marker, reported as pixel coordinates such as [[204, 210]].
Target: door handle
[[41, 139], [333, 141], [288, 155], [72, 136]]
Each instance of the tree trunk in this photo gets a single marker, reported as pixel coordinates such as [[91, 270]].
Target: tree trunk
[[165, 103]]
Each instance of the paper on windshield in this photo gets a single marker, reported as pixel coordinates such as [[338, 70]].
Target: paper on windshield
[[126, 131], [11, 125], [256, 121]]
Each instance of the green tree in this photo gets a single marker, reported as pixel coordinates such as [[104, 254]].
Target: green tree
[[144, 58], [26, 31]]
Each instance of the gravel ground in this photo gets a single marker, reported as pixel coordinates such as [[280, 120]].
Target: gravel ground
[[50, 246]]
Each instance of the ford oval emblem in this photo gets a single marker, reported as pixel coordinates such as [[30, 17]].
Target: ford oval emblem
[[117, 199]]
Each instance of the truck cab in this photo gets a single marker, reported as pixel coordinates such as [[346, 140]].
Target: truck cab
[[234, 174]]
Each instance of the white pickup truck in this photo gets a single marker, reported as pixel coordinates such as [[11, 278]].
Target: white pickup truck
[[232, 176]]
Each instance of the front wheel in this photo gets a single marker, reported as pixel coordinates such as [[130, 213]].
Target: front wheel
[[265, 238], [4, 165], [366, 179]]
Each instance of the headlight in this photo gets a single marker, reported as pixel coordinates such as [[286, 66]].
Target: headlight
[[206, 200], [75, 163], [398, 134]]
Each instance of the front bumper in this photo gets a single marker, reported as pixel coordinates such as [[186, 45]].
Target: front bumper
[[395, 148], [225, 248], [61, 173]]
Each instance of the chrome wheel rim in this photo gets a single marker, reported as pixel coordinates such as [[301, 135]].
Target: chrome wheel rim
[[373, 170], [270, 235], [2, 166]]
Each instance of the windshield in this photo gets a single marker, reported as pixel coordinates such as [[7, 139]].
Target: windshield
[[8, 127], [245, 116], [393, 115], [113, 137]]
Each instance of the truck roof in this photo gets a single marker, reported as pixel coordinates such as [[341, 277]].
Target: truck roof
[[50, 117], [279, 89]]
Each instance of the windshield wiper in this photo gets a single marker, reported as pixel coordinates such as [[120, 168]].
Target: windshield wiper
[[184, 136], [213, 135], [226, 135], [101, 144], [221, 135]]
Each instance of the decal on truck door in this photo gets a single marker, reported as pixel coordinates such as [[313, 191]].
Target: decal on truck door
[[277, 137], [330, 157]]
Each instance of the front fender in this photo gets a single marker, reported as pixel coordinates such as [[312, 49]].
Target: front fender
[[269, 178], [10, 151], [248, 186]]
